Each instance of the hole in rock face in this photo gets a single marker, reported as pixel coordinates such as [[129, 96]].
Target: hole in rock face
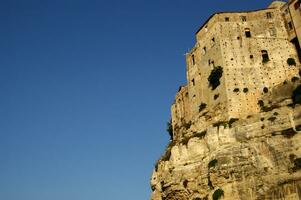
[[265, 90]]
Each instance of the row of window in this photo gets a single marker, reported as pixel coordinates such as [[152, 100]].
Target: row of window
[[264, 54], [269, 15]]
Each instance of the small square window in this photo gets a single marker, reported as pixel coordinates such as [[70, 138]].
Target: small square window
[[251, 56], [247, 32], [269, 15], [243, 18], [227, 19]]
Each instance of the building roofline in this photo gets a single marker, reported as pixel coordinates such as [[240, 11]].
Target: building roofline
[[229, 13]]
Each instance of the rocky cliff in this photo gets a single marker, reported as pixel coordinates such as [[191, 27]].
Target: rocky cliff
[[258, 157]]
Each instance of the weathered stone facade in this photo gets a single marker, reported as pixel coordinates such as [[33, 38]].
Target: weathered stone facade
[[236, 124]]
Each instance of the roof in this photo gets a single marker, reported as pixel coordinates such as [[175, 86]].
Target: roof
[[229, 12]]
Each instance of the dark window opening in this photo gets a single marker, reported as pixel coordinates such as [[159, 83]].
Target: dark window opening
[[227, 19], [209, 62], [193, 59], [269, 15], [248, 32], [251, 56], [193, 82], [265, 56], [213, 39], [290, 26], [243, 18]]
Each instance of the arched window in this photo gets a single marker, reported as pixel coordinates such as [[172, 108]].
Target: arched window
[[247, 32]]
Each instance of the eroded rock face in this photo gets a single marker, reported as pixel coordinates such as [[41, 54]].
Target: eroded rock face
[[257, 158]]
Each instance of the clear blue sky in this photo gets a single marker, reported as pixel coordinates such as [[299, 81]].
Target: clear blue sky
[[86, 88]]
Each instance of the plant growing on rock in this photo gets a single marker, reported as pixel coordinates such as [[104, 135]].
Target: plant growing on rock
[[217, 194], [169, 129], [212, 163], [214, 77]]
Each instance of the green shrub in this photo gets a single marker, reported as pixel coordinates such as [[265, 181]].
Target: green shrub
[[214, 77], [212, 163], [217, 194], [296, 96], [169, 129], [291, 61], [202, 107]]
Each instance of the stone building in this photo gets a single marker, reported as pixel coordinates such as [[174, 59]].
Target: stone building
[[251, 48], [237, 122]]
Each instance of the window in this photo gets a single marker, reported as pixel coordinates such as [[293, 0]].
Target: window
[[193, 82], [193, 59], [269, 15], [204, 50], [251, 56], [297, 5], [209, 62], [265, 56], [227, 19], [247, 32], [290, 26], [273, 32], [243, 18]]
